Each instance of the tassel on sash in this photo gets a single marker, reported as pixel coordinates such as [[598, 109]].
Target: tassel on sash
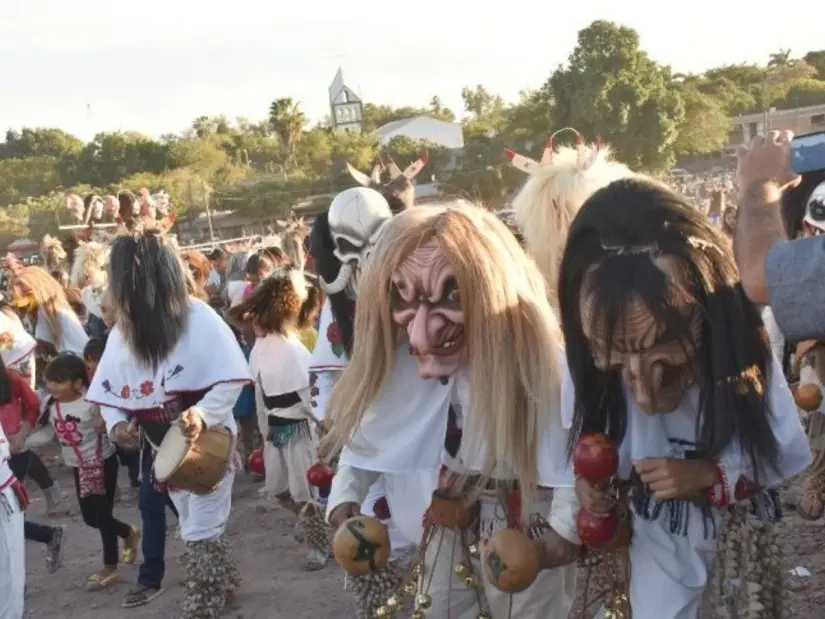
[[283, 435]]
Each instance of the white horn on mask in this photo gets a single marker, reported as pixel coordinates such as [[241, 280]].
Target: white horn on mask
[[340, 283]]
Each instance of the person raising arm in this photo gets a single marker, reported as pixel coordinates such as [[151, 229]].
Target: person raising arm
[[787, 275]]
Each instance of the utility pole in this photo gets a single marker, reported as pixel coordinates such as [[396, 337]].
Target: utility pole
[[208, 211]]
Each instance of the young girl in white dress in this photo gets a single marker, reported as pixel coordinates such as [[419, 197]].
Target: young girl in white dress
[[278, 310]]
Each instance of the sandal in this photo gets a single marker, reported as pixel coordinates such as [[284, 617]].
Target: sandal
[[130, 546], [140, 595], [98, 582]]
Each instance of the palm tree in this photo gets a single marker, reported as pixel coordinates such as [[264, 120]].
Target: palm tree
[[782, 58], [287, 120]]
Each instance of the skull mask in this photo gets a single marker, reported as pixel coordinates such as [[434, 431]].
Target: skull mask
[[815, 212], [356, 217]]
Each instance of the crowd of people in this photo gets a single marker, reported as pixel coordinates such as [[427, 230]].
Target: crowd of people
[[431, 393]]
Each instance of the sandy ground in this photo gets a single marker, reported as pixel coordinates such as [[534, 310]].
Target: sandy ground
[[275, 586]]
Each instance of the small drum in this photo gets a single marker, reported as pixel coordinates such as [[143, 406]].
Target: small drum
[[198, 467]]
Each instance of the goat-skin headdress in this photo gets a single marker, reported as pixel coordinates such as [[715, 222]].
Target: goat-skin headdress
[[399, 191], [558, 186]]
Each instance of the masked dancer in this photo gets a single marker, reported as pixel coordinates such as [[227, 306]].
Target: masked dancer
[[41, 299], [171, 359], [341, 241], [559, 184], [455, 305], [805, 206], [671, 361]]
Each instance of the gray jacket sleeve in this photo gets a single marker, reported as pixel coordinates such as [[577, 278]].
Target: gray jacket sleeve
[[795, 275]]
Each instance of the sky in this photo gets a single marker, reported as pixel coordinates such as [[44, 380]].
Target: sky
[[153, 66]]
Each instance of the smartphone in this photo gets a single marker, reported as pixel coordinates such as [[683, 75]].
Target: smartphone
[[808, 153]]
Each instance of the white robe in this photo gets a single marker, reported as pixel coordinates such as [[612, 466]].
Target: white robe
[[73, 336], [280, 365], [18, 353], [676, 565], [12, 543], [401, 438], [327, 363], [207, 357]]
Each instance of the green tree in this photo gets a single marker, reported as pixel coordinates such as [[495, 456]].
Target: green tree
[[111, 157], [39, 142], [705, 126], [782, 58], [780, 78], [315, 152], [803, 93], [288, 122], [817, 60], [730, 95], [29, 176], [204, 156], [612, 89]]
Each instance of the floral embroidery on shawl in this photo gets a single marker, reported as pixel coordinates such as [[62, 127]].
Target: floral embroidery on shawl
[[143, 390]]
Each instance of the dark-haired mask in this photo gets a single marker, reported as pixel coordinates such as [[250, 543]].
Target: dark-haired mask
[[656, 366], [425, 302]]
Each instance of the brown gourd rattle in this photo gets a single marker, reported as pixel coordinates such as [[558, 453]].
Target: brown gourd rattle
[[361, 545]]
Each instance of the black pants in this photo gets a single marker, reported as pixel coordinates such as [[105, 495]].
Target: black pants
[[29, 464], [96, 510], [131, 460]]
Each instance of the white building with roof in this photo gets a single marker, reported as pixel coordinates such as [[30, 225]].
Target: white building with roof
[[441, 132]]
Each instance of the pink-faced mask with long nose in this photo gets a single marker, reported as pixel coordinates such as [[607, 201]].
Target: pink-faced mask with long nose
[[426, 303]]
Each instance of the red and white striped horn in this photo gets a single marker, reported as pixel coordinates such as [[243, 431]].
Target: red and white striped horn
[[416, 166]]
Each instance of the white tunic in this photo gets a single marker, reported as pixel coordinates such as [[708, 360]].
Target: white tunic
[[12, 543], [676, 563], [73, 336], [401, 438], [206, 358], [328, 361]]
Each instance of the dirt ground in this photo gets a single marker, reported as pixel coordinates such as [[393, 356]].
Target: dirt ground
[[274, 584]]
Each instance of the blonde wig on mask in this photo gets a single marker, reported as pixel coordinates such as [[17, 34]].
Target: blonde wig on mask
[[48, 294], [89, 266], [547, 204], [511, 332]]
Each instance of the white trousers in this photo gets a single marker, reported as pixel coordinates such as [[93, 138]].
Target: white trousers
[[204, 516], [286, 468], [12, 560], [549, 597]]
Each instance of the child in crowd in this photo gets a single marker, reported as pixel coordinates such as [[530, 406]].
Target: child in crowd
[[278, 310], [245, 415], [91, 357], [86, 448]]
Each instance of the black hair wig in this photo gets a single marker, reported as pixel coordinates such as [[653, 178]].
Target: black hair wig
[[126, 201], [327, 267], [148, 286], [66, 367], [733, 355]]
